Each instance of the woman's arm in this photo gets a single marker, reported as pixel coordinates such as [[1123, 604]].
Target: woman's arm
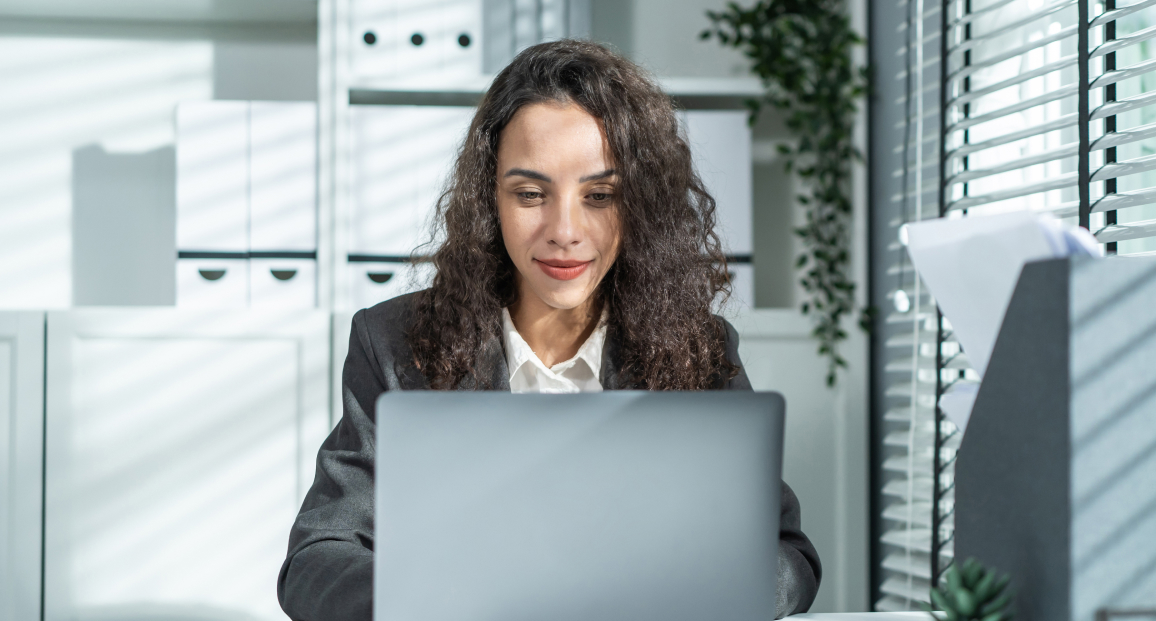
[[799, 567], [328, 573]]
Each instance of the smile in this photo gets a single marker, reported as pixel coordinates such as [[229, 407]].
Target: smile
[[563, 270]]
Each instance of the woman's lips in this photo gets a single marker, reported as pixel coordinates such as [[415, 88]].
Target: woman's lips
[[563, 270]]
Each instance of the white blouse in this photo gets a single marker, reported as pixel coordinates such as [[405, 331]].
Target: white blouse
[[529, 374]]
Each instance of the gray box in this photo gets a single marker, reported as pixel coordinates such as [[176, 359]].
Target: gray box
[[1055, 482], [123, 227]]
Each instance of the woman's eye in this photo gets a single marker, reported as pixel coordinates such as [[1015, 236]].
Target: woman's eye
[[529, 196], [601, 197]]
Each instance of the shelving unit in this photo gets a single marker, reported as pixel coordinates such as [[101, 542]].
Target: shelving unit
[[350, 87]]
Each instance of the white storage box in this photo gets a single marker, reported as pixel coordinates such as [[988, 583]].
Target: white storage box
[[283, 283], [282, 176], [416, 41], [212, 283], [213, 175], [377, 282]]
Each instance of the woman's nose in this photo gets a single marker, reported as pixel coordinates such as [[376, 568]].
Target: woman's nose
[[565, 221]]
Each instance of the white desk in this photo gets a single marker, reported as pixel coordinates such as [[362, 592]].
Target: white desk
[[862, 616]]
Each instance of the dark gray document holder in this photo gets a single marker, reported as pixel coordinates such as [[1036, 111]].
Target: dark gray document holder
[[1055, 482]]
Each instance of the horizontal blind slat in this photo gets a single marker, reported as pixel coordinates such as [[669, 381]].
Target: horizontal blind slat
[[1124, 200], [1112, 77], [1111, 16], [1118, 138], [1120, 43], [1125, 232], [1055, 183], [1019, 78], [1031, 160], [1019, 51], [1020, 106], [1068, 120], [1114, 108], [974, 15], [977, 39], [902, 563], [1123, 169]]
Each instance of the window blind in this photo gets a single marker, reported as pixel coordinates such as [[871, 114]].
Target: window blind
[[1005, 105]]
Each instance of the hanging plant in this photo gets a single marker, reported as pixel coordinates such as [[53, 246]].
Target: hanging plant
[[801, 49]]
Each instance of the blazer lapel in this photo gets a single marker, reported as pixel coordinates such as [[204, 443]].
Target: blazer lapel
[[492, 368], [611, 364]]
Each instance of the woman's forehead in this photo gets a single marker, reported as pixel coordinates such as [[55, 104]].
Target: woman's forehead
[[561, 137]]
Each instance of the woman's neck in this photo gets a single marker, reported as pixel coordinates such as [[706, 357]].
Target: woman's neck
[[554, 335]]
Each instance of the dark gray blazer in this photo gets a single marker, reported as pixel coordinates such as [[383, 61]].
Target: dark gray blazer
[[328, 573]]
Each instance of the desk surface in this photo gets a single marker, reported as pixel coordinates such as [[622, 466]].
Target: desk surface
[[862, 616]]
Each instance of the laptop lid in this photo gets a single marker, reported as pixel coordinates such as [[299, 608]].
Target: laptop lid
[[611, 505]]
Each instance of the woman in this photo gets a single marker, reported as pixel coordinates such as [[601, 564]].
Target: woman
[[579, 255]]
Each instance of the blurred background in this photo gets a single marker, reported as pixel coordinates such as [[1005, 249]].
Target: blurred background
[[196, 195]]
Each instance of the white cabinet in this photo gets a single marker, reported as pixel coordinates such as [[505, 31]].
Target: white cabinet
[[213, 176], [374, 282], [282, 176], [179, 448], [21, 443], [402, 158], [408, 41], [720, 143]]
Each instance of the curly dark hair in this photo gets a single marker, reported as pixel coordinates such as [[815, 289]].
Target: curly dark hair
[[659, 291]]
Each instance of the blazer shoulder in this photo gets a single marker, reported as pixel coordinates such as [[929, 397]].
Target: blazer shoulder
[[392, 314], [730, 334], [384, 329], [731, 344]]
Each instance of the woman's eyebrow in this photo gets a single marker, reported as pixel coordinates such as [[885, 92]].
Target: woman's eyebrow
[[602, 175], [529, 174]]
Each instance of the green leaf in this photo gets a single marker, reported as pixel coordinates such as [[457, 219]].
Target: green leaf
[[939, 600], [983, 588], [954, 580], [996, 605], [965, 603]]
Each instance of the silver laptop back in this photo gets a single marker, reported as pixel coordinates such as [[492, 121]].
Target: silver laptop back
[[613, 505]]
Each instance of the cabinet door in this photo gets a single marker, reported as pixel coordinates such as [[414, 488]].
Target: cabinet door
[[720, 143], [282, 283], [403, 156], [372, 283], [180, 445], [212, 283], [213, 176], [21, 480], [282, 176]]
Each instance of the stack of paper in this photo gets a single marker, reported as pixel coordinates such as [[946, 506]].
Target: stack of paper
[[971, 266]]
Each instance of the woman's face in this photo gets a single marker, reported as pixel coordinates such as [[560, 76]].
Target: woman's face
[[557, 198]]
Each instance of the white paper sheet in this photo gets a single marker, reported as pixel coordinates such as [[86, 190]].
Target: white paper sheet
[[971, 266]]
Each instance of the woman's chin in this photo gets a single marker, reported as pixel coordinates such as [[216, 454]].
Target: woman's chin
[[563, 297]]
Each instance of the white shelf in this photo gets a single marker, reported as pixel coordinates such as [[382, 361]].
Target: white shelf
[[674, 86], [199, 11], [711, 87]]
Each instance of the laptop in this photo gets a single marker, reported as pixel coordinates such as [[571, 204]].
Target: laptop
[[625, 505]]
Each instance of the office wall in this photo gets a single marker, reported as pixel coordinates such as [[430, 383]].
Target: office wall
[[71, 86]]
